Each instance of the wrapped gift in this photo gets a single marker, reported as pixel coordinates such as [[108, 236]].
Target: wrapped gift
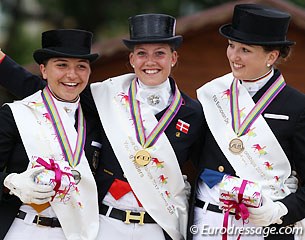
[[234, 190], [56, 173]]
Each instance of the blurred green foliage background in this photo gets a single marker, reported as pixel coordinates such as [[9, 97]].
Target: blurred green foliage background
[[22, 21]]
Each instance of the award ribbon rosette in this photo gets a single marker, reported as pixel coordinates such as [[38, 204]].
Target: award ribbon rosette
[[57, 174], [236, 195]]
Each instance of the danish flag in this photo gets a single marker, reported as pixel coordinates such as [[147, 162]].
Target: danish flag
[[182, 126]]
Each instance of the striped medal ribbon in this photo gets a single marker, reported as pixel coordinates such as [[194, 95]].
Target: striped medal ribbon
[[236, 145], [72, 157], [142, 157]]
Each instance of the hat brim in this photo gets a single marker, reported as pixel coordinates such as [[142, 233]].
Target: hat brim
[[175, 41], [44, 54], [230, 33]]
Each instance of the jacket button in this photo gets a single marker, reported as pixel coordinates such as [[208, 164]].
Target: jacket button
[[221, 168]]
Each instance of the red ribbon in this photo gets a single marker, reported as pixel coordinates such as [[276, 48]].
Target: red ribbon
[[241, 211], [119, 188], [53, 166]]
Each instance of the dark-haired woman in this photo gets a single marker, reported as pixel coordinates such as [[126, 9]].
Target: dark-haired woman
[[257, 130]]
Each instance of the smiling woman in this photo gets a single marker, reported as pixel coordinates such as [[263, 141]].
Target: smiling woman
[[66, 77], [243, 60], [158, 126], [261, 139], [44, 170], [150, 129], [152, 63]]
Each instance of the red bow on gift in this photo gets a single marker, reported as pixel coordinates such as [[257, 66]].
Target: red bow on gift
[[53, 166], [241, 211]]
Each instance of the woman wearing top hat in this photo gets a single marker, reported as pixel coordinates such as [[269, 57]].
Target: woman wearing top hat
[[256, 130], [150, 130], [48, 189], [157, 126]]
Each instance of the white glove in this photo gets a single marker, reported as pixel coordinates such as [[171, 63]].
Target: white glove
[[187, 187], [23, 186], [269, 213], [292, 182]]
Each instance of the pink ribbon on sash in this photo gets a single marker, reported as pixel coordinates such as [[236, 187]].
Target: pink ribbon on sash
[[241, 211], [53, 166]]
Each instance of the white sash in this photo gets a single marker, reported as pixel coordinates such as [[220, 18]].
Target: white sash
[[158, 186], [78, 214], [263, 159]]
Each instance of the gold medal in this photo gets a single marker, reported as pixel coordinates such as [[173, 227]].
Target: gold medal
[[236, 146], [76, 175], [142, 157]]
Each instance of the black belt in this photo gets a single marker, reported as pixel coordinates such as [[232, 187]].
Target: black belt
[[39, 220], [126, 215], [211, 207]]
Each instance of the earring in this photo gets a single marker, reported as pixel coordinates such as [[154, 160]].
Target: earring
[[268, 65], [132, 66], [173, 65]]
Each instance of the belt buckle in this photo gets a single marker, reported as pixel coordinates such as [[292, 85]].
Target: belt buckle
[[38, 220], [139, 218]]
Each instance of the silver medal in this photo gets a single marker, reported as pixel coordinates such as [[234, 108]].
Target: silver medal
[[76, 175]]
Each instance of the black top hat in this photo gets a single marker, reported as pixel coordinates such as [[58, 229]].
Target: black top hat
[[258, 25], [70, 43], [152, 28]]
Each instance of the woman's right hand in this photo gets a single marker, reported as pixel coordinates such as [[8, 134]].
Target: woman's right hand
[[23, 186]]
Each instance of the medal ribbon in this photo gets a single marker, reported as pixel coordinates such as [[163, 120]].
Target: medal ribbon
[[72, 158], [260, 106], [162, 124]]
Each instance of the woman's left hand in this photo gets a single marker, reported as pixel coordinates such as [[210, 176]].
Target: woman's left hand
[[292, 182], [269, 213]]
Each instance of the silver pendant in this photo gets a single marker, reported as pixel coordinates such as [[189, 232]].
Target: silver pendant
[[153, 100]]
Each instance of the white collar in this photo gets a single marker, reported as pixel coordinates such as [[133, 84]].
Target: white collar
[[156, 98], [69, 107], [255, 86]]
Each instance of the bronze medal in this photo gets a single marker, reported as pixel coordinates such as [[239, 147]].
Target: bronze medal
[[76, 175], [142, 157], [236, 146]]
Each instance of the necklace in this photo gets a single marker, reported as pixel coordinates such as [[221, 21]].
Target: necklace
[[259, 78]]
